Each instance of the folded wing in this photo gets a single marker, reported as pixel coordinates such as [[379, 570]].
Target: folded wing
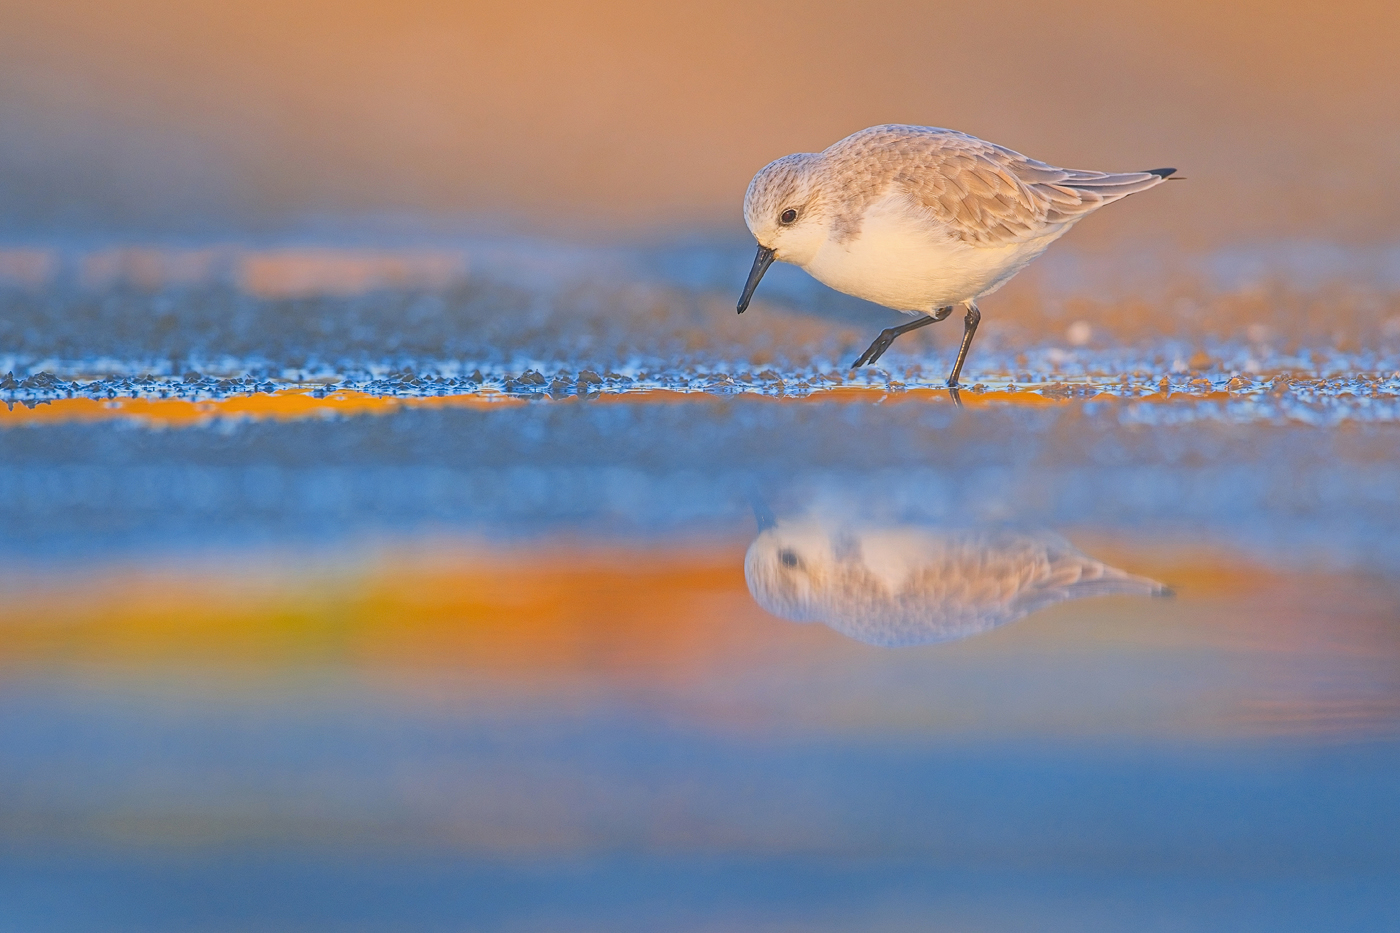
[[985, 194]]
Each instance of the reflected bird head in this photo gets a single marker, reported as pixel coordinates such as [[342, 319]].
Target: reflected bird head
[[786, 569]]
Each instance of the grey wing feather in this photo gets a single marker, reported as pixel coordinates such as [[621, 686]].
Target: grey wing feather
[[1065, 574], [982, 193], [1078, 193]]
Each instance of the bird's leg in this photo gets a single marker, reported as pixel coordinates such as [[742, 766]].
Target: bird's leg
[[969, 329], [888, 335], [955, 395]]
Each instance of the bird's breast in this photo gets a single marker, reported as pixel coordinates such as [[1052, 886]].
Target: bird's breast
[[901, 260]]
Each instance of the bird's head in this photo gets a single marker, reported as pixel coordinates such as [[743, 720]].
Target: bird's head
[[783, 210]]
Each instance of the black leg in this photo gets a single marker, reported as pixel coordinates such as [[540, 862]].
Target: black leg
[[888, 335], [969, 329], [955, 395]]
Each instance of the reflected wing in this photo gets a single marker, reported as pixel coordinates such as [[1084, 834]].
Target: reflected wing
[[1062, 573]]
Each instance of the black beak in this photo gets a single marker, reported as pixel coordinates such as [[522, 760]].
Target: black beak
[[761, 262], [762, 514]]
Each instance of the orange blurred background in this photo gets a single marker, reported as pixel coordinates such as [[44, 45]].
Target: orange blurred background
[[167, 115], [442, 618]]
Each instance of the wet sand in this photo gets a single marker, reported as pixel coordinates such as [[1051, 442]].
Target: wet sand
[[428, 604]]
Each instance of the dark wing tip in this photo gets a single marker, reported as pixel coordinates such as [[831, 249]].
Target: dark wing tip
[[1162, 172]]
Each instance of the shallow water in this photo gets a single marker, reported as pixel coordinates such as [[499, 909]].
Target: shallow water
[[337, 599]]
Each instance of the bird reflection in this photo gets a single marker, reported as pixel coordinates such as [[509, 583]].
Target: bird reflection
[[911, 585]]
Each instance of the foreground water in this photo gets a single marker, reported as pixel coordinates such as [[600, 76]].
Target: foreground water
[[556, 597]]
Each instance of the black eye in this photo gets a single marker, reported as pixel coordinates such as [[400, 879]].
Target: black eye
[[788, 558], [789, 216]]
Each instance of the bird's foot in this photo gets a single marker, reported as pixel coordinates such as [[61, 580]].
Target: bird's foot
[[878, 348]]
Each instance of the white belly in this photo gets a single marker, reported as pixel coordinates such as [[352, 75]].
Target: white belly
[[902, 263]]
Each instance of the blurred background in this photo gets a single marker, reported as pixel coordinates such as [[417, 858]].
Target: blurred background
[[380, 453], [181, 118]]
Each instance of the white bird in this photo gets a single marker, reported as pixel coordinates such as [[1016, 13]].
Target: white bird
[[908, 585], [919, 219]]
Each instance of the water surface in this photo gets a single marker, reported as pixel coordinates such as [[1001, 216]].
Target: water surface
[[338, 599]]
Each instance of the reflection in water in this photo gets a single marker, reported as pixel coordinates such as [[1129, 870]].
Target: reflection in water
[[898, 585]]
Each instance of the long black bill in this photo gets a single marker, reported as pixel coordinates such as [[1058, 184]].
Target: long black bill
[[761, 262]]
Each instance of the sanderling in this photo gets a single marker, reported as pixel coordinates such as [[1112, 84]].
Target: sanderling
[[909, 585], [919, 219]]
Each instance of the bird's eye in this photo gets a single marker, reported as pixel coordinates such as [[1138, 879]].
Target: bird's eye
[[788, 558], [789, 216]]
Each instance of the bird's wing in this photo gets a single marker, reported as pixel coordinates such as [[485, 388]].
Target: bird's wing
[[1004, 576], [971, 188], [982, 193], [1061, 573], [1069, 195]]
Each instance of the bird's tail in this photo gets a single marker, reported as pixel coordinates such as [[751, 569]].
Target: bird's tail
[[1078, 193], [1115, 184], [1072, 575]]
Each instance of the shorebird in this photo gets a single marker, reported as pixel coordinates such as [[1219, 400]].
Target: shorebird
[[909, 585], [919, 219]]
